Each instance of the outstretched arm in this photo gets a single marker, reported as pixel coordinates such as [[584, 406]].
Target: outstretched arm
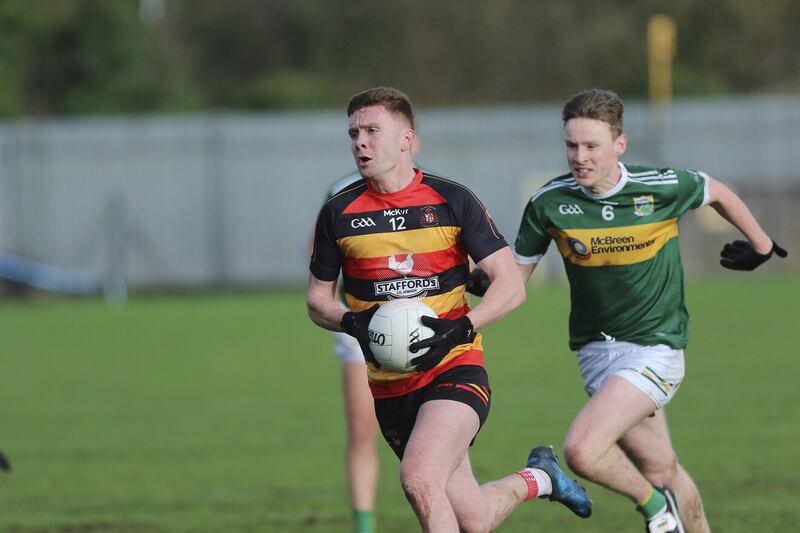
[[741, 255], [733, 209]]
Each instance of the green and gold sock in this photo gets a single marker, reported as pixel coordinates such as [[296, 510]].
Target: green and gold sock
[[651, 505]]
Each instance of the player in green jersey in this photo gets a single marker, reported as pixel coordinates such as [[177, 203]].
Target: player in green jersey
[[361, 455], [616, 228]]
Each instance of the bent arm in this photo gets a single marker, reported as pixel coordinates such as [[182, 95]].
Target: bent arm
[[506, 290], [526, 270], [733, 209], [323, 307]]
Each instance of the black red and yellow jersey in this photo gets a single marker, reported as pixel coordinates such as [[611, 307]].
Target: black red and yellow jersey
[[413, 243]]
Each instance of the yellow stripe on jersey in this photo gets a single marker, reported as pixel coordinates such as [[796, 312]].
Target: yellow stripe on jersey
[[624, 245], [419, 241], [442, 303], [381, 375]]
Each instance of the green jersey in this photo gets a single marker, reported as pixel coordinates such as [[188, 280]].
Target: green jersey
[[620, 252]]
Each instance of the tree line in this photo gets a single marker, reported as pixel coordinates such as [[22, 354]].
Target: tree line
[[72, 57]]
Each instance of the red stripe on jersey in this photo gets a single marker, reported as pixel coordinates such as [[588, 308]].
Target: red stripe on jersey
[[401, 387], [413, 194], [425, 264], [454, 313]]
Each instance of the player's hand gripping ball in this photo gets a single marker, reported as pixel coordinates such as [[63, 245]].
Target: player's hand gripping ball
[[449, 333], [393, 327], [356, 324]]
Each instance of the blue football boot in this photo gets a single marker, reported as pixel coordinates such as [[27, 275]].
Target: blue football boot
[[565, 489]]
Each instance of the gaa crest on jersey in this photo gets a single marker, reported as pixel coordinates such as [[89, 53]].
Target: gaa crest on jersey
[[428, 216], [570, 209], [643, 205], [362, 222], [578, 248]]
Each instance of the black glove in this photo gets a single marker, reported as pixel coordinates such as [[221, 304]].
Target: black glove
[[478, 282], [739, 255], [4, 464], [449, 334], [357, 325]]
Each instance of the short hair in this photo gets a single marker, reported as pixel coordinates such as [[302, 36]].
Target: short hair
[[389, 97], [597, 104]]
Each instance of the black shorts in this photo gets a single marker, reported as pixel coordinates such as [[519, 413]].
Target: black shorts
[[467, 384]]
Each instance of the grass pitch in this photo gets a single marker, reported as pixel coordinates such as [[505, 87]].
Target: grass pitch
[[223, 413]]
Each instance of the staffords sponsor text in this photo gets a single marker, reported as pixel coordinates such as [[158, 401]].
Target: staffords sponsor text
[[406, 287]]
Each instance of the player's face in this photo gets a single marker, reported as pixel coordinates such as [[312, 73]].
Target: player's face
[[379, 140], [593, 152]]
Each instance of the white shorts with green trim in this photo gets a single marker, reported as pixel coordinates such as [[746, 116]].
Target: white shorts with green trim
[[347, 348], [655, 370]]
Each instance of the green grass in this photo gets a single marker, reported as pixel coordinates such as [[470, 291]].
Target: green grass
[[210, 414]]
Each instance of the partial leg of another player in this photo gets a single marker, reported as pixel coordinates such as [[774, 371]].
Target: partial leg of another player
[[361, 462], [592, 450], [590, 447], [649, 447]]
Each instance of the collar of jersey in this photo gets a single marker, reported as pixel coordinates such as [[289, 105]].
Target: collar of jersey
[[414, 183], [623, 179]]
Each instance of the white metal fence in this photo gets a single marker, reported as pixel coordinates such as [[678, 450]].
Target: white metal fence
[[230, 199]]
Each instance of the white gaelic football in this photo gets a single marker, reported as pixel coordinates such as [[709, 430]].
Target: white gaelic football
[[393, 327]]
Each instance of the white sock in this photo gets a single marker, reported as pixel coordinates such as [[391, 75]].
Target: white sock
[[543, 480], [538, 482]]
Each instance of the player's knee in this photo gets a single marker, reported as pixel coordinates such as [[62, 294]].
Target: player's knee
[[578, 457], [417, 489], [663, 474], [361, 435]]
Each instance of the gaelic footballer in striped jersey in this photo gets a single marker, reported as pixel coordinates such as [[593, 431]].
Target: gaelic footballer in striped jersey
[[616, 228], [408, 245], [404, 233]]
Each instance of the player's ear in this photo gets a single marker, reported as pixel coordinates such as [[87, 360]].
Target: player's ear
[[407, 141], [620, 144]]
